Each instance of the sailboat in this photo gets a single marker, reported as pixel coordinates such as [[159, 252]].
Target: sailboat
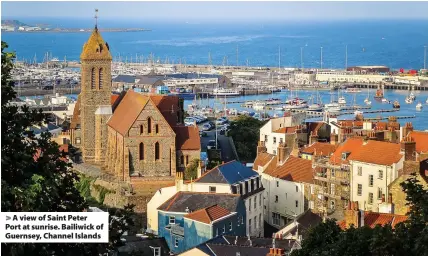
[[315, 106], [367, 100], [341, 100]]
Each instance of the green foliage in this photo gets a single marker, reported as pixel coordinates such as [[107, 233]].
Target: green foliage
[[191, 171], [408, 238], [35, 178], [84, 185], [213, 163], [245, 132]]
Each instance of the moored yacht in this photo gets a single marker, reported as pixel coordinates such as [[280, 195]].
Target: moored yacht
[[396, 104], [419, 106]]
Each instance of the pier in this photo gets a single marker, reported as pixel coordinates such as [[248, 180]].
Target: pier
[[321, 113]]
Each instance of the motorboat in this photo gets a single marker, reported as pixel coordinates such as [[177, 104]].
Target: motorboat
[[396, 104], [384, 100], [295, 106], [259, 105], [379, 94], [342, 101], [408, 100], [358, 112], [412, 96], [315, 107], [419, 106]]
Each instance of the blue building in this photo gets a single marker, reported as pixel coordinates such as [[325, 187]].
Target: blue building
[[191, 218]]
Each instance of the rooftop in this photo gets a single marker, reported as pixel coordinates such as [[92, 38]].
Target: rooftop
[[227, 173], [351, 145], [291, 129], [320, 149], [377, 152], [421, 139], [293, 169], [208, 214], [371, 219], [199, 200]]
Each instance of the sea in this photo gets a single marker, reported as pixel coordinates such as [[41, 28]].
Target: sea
[[393, 43]]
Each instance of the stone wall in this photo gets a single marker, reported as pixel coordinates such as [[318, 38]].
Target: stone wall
[[93, 96], [163, 134], [188, 157]]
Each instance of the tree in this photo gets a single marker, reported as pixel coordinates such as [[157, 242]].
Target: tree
[[35, 177], [245, 132], [191, 171], [407, 238]]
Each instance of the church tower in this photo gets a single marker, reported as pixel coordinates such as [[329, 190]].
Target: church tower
[[95, 97]]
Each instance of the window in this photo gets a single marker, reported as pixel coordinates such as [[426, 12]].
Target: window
[[216, 232], [224, 228], [266, 138], [274, 140], [255, 202], [379, 193], [187, 160], [171, 220], [249, 205], [360, 171], [260, 200], [274, 152], [141, 129], [332, 189], [344, 156], [311, 204], [230, 226], [212, 189], [255, 222], [242, 219], [238, 189], [380, 174], [175, 242], [276, 199], [275, 218], [312, 189], [149, 125], [93, 78], [249, 226], [141, 151], [281, 141], [360, 190], [297, 203], [157, 153], [260, 220], [182, 160], [100, 78], [332, 205], [156, 251], [157, 128], [370, 180], [297, 188], [77, 140], [333, 173], [277, 183], [370, 198], [239, 221]]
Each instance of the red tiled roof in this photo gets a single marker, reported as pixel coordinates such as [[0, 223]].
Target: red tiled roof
[[187, 138], [320, 148], [350, 123], [372, 219], [132, 105], [351, 145], [286, 130], [293, 169], [208, 214], [421, 139], [378, 152], [262, 159]]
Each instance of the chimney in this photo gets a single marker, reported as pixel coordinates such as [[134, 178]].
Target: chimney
[[261, 148], [201, 169], [372, 135], [391, 134], [353, 215], [386, 207], [334, 138], [408, 127], [275, 252], [408, 147], [179, 180], [281, 153], [313, 138]]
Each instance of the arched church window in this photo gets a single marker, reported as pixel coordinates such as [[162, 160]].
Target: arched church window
[[157, 129], [149, 125], [100, 81], [141, 129], [141, 151], [157, 151], [93, 78]]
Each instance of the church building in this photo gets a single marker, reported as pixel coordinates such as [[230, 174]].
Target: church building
[[131, 135]]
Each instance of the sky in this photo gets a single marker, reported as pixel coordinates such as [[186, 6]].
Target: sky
[[218, 10]]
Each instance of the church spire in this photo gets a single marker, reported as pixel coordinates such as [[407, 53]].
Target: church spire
[[96, 19]]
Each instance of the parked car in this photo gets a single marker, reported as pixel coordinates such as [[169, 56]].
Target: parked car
[[221, 121], [207, 127], [211, 144]]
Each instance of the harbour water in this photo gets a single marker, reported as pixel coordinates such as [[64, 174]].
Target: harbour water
[[397, 44], [420, 120]]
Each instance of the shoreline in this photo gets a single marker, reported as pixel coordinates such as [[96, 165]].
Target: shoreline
[[81, 30]]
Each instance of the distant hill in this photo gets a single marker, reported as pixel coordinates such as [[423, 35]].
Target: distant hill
[[14, 23]]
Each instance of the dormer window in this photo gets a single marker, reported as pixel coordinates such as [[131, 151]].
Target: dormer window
[[345, 155]]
